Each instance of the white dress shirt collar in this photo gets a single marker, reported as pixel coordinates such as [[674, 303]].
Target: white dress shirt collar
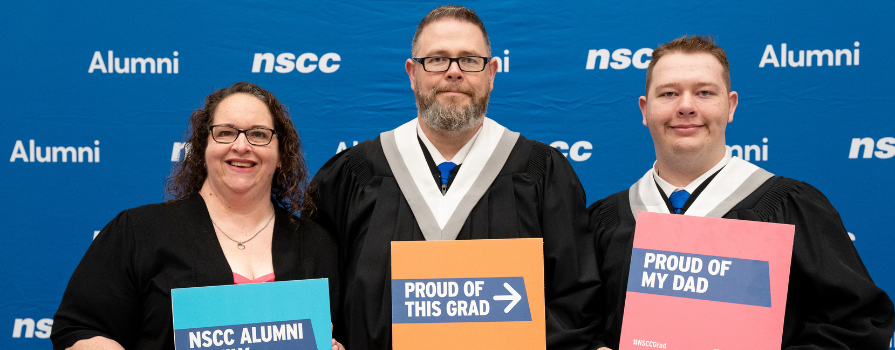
[[437, 157], [669, 188]]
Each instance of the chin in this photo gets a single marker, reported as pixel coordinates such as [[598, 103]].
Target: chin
[[456, 101], [687, 149], [242, 187]]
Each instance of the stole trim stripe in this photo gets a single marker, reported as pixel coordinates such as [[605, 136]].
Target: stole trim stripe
[[482, 183], [424, 216], [758, 178]]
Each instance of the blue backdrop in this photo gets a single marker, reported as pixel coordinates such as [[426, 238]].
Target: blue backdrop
[[570, 76]]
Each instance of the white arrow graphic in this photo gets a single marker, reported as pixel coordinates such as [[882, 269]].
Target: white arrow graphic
[[514, 297]]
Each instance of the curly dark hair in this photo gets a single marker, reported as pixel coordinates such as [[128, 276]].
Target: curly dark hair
[[290, 180]]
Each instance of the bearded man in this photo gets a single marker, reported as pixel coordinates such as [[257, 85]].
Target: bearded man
[[452, 173]]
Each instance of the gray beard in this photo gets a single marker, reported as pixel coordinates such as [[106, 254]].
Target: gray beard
[[443, 117]]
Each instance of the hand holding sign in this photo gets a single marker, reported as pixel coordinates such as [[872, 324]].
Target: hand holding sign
[[336, 345]]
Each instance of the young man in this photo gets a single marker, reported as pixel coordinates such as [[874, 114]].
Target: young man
[[451, 173], [832, 302]]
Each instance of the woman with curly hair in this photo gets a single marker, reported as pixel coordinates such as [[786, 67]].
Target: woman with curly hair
[[230, 218]]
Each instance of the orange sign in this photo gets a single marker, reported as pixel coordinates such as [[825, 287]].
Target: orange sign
[[472, 294]]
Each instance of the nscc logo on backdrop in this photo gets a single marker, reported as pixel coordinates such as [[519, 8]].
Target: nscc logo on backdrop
[[576, 152], [885, 148], [287, 62], [25, 328], [621, 58]]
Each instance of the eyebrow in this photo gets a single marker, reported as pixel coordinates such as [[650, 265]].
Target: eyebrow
[[699, 84], [444, 53], [252, 127]]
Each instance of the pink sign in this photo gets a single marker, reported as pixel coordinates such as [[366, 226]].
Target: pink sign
[[706, 283]]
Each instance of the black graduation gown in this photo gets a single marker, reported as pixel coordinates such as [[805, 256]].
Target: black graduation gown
[[121, 289], [832, 303], [536, 194]]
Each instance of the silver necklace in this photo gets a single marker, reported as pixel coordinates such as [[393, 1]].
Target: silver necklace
[[241, 244]]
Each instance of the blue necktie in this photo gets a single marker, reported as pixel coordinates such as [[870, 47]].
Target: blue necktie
[[678, 199], [445, 169]]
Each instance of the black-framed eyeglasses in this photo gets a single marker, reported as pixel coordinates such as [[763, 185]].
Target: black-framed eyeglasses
[[229, 134], [437, 64]]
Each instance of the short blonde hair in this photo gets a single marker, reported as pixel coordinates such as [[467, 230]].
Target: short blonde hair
[[456, 12], [693, 44]]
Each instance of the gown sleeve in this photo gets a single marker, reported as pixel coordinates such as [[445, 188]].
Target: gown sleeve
[[101, 298], [320, 259], [602, 220], [832, 301], [336, 190], [570, 270]]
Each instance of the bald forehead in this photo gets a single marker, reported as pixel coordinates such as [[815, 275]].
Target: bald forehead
[[451, 37]]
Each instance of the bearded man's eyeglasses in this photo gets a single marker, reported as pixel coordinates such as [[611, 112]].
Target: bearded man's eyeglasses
[[442, 64]]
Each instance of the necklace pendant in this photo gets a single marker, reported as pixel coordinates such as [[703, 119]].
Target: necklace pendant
[[239, 244]]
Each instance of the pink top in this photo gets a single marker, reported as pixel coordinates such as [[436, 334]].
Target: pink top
[[240, 279]]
